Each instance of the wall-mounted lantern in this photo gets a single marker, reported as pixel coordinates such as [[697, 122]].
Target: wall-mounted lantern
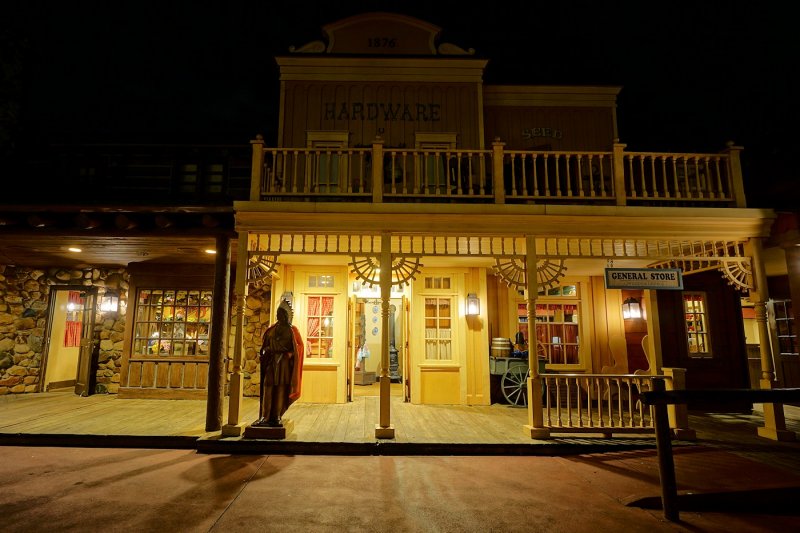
[[631, 308], [109, 303], [473, 305]]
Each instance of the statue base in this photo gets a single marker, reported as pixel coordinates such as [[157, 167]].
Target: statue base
[[267, 432]]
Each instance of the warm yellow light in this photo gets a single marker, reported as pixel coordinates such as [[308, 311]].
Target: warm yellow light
[[631, 308], [210, 251], [74, 249], [473, 305]]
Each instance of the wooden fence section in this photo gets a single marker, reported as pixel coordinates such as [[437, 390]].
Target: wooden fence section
[[380, 174], [659, 399]]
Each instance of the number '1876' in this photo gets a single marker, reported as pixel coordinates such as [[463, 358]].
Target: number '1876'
[[382, 42]]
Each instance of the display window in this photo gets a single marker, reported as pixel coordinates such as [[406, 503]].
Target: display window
[[698, 333], [172, 322], [558, 325]]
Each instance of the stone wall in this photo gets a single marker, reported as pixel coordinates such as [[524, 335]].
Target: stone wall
[[256, 320], [24, 298]]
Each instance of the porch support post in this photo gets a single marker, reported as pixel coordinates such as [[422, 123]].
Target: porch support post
[[735, 168], [535, 427], [774, 420], [678, 413], [219, 332], [234, 427], [385, 430], [257, 168]]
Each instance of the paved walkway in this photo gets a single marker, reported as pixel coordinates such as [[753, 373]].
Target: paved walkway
[[77, 489], [730, 480]]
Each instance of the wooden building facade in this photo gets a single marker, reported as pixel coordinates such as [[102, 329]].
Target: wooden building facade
[[415, 217]]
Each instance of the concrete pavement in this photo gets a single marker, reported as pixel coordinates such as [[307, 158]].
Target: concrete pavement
[[80, 489]]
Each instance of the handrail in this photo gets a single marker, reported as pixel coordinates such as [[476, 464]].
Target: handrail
[[380, 174], [659, 398]]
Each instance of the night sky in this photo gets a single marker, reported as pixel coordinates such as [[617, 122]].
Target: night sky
[[693, 74]]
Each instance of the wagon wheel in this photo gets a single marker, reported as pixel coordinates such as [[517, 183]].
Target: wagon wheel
[[514, 385]]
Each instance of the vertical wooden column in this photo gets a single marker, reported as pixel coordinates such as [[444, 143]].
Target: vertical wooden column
[[385, 430], [257, 168], [619, 172], [535, 427], [498, 180], [377, 170], [735, 168], [219, 333], [678, 413], [234, 427], [774, 420]]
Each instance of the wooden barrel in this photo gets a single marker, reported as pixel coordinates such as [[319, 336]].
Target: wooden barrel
[[501, 347]]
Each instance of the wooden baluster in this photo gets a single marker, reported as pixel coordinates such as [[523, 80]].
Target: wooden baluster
[[546, 164], [558, 176], [674, 161], [718, 174], [642, 176], [709, 181], [534, 176], [629, 159], [664, 181]]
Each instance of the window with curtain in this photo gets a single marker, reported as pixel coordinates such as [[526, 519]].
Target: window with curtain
[[695, 307], [172, 322], [557, 330], [74, 317], [438, 328], [319, 326]]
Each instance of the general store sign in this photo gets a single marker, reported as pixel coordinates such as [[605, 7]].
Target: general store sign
[[644, 278]]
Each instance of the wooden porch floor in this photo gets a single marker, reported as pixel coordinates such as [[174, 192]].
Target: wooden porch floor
[[66, 413]]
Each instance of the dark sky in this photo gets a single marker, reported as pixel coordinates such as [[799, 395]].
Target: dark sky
[[694, 74]]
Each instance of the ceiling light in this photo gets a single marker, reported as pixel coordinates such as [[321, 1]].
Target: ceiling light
[[211, 251], [74, 249]]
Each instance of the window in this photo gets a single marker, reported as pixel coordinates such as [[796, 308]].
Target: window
[[438, 328], [433, 172], [784, 326], [557, 332], [437, 282], [695, 308], [328, 160], [319, 326], [74, 317], [172, 322], [557, 324], [321, 281]]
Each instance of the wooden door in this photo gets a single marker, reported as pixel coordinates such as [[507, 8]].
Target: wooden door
[[352, 346], [85, 359], [404, 352]]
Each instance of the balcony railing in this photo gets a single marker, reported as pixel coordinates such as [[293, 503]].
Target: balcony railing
[[379, 174]]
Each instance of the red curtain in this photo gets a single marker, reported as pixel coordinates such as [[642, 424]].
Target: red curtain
[[74, 323]]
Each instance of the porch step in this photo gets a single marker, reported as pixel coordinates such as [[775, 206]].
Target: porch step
[[238, 445], [555, 447]]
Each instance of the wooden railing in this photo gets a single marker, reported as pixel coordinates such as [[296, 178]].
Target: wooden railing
[[380, 174], [596, 403], [659, 399], [603, 403]]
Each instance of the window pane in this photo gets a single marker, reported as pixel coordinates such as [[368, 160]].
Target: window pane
[[438, 333], [696, 317], [164, 322], [319, 325]]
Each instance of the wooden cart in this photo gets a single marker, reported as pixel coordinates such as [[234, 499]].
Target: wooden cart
[[514, 380]]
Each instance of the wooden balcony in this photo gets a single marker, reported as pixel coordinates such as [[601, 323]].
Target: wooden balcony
[[497, 176]]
